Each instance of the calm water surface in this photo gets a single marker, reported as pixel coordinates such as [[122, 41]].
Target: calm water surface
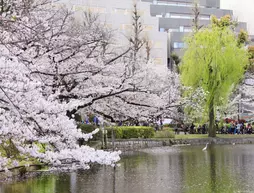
[[225, 168]]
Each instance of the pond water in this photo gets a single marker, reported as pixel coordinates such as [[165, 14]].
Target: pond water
[[224, 168]]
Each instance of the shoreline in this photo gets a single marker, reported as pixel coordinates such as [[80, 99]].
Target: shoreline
[[129, 145], [136, 144]]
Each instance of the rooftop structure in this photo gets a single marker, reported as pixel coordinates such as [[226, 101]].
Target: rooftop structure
[[176, 18]]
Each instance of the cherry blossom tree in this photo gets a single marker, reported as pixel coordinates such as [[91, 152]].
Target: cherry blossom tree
[[242, 100], [28, 117], [51, 64], [33, 91]]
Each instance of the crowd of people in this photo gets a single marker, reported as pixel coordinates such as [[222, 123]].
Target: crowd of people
[[237, 128], [226, 128]]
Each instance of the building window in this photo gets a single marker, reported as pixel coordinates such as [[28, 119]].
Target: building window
[[79, 8], [178, 45], [181, 28], [157, 44], [183, 4], [162, 29], [91, 9], [187, 29], [148, 27], [157, 60], [173, 30], [180, 4], [107, 25], [204, 17], [126, 27], [183, 16], [122, 11], [58, 6], [158, 15], [167, 15], [140, 12]]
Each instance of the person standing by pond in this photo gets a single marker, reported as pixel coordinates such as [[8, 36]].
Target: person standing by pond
[[185, 129], [176, 129], [238, 128], [249, 129], [192, 128]]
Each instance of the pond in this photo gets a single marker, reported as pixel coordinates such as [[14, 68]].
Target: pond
[[224, 168]]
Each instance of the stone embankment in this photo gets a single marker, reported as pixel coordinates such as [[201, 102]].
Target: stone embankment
[[135, 144]]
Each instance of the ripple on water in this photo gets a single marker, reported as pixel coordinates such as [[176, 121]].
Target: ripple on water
[[162, 150]]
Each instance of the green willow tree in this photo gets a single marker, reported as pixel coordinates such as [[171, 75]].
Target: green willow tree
[[215, 62]]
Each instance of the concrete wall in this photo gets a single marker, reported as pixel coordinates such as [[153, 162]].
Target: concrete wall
[[135, 144]]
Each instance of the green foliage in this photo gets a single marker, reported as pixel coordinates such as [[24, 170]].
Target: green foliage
[[118, 132], [4, 7], [165, 134], [251, 58], [77, 118], [8, 149], [242, 37], [41, 146], [87, 128], [128, 132], [176, 58], [214, 62], [224, 22]]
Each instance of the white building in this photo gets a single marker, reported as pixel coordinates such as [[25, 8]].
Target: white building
[[166, 22], [117, 16]]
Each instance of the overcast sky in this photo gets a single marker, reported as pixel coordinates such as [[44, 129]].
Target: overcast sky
[[243, 10]]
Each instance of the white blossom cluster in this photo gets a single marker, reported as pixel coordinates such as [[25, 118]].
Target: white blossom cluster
[[242, 101], [28, 118], [194, 104]]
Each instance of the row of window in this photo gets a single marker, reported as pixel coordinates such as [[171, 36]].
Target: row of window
[[103, 10], [180, 4], [179, 45], [180, 29], [183, 16], [156, 46], [129, 27]]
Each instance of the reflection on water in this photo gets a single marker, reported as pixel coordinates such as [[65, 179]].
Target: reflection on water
[[171, 169]]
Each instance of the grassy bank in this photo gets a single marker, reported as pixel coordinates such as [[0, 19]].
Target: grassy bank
[[201, 136]]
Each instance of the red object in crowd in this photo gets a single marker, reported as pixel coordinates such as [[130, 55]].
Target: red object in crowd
[[227, 120]]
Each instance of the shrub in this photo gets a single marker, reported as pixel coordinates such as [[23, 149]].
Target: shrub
[[128, 132], [87, 128], [147, 132], [77, 118], [131, 132], [164, 134], [118, 132]]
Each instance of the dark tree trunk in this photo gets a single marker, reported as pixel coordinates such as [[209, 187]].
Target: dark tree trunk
[[212, 128]]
